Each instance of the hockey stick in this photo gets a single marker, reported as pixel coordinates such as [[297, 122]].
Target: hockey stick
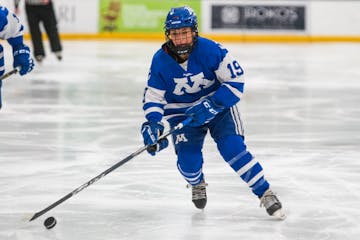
[[8, 74], [107, 171]]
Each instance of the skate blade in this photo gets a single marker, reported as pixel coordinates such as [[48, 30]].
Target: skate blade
[[279, 214]]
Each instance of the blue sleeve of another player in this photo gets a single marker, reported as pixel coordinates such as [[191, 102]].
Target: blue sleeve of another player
[[154, 96], [230, 74], [3, 18], [10, 27]]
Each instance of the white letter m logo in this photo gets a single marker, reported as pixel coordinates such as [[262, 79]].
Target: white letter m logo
[[180, 138], [192, 84]]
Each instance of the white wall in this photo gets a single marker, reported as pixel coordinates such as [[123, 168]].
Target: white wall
[[74, 16], [335, 17], [79, 16]]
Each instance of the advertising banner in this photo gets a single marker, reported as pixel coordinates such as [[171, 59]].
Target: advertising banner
[[258, 17], [138, 15], [71, 16]]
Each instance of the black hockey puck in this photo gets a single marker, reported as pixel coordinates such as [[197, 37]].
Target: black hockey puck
[[50, 222]]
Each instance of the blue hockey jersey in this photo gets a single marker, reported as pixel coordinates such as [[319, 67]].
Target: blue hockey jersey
[[10, 27], [173, 87], [11, 30]]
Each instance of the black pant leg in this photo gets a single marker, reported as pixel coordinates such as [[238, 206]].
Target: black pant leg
[[50, 24], [33, 18]]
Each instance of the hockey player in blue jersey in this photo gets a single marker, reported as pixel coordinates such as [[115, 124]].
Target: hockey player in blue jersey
[[12, 30], [194, 77]]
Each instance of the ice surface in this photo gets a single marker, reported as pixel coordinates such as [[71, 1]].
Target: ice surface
[[68, 121]]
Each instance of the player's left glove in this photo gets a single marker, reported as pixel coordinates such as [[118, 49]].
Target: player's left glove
[[23, 59], [151, 132], [203, 112]]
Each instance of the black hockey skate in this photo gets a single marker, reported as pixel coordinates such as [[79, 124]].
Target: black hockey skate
[[39, 58], [272, 204], [58, 55], [199, 194]]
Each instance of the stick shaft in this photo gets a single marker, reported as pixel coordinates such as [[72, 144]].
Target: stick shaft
[[104, 173], [85, 185], [15, 70]]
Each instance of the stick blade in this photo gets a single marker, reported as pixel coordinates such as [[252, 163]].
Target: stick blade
[[35, 216]]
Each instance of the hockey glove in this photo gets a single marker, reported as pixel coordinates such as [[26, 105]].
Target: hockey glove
[[203, 112], [151, 131], [22, 59]]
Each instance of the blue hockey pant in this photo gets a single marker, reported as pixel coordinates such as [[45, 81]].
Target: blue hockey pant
[[227, 131]]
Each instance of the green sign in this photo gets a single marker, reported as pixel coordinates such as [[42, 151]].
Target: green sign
[[139, 15]]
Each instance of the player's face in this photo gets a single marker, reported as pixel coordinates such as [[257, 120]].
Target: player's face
[[181, 36]]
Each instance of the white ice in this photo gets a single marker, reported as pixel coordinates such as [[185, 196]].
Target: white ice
[[68, 121]]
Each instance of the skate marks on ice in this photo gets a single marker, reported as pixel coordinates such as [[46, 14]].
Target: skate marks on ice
[[71, 120]]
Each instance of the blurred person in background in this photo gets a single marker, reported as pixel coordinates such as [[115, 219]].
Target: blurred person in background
[[42, 11], [12, 30]]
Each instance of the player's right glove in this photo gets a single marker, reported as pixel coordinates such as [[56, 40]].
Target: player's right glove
[[151, 131], [22, 59]]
